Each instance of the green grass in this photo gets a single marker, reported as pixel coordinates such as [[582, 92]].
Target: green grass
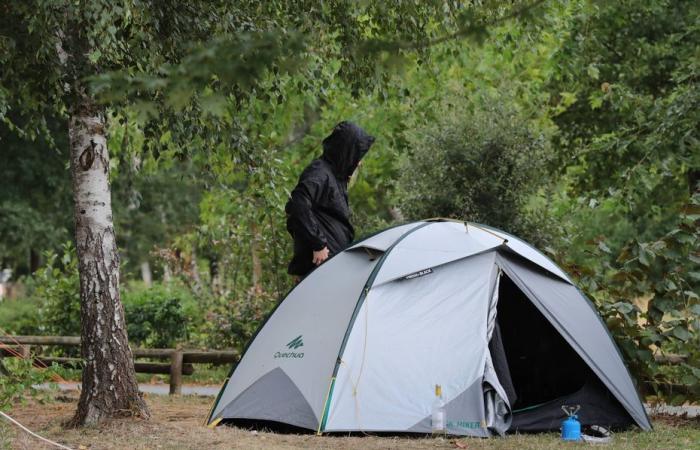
[[176, 423]]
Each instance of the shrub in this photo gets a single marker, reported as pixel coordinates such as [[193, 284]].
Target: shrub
[[160, 315], [18, 381], [20, 316], [648, 296], [232, 321], [480, 166], [57, 286]]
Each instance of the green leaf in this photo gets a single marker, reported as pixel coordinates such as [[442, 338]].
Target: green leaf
[[689, 380], [593, 72], [165, 137], [95, 56], [681, 333], [645, 256], [624, 308], [213, 104], [645, 355], [567, 99]]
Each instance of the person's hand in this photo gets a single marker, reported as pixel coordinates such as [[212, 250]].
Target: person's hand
[[320, 256]]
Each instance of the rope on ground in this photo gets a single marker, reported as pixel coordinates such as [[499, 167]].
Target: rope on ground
[[33, 433]]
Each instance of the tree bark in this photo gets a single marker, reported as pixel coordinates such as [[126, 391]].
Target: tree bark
[[34, 261], [109, 386], [146, 274]]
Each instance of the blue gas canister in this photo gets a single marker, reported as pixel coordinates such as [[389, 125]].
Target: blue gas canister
[[571, 427]]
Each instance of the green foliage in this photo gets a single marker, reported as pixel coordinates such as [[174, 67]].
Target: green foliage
[[480, 166], [629, 131], [231, 322], [18, 381], [159, 316], [35, 212], [20, 316], [57, 285], [649, 298]]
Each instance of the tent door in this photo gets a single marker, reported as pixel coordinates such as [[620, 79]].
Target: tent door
[[540, 371]]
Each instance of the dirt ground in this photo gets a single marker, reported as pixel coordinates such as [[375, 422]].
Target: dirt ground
[[177, 424]]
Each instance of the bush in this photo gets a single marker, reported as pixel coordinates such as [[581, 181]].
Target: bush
[[20, 316], [18, 381], [57, 286], [232, 321], [481, 166], [160, 315], [648, 296]]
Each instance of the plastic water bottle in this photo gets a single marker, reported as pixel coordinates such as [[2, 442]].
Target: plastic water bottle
[[438, 422]]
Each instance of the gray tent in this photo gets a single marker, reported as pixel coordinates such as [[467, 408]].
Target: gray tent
[[361, 342]]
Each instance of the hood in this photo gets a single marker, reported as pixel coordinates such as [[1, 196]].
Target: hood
[[344, 148]]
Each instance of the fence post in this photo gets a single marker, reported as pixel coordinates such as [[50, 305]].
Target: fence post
[[25, 351], [176, 371]]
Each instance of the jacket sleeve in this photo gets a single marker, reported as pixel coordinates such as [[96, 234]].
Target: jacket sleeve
[[301, 221]]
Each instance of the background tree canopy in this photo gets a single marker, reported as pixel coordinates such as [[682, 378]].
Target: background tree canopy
[[574, 124]]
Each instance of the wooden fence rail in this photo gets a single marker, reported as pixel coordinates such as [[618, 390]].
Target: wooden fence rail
[[180, 360]]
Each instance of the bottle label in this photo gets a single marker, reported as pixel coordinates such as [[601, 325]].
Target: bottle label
[[439, 420]]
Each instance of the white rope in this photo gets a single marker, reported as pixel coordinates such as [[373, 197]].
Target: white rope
[[32, 433]]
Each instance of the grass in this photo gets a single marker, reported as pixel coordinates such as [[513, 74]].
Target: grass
[[177, 424]]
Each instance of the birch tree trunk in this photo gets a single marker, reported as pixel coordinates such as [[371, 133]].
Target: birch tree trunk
[[109, 386]]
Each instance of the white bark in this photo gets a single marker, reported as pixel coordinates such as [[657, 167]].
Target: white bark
[[146, 274], [109, 381]]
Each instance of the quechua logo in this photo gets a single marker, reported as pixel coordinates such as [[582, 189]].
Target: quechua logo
[[292, 345], [295, 343]]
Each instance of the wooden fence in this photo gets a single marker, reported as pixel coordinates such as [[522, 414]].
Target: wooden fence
[[180, 360]]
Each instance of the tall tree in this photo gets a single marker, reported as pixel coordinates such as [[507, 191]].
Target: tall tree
[[48, 50]]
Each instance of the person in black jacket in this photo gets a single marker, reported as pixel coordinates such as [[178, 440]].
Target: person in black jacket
[[318, 214]]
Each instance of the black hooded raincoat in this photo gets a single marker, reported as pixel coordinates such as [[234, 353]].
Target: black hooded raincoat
[[318, 214]]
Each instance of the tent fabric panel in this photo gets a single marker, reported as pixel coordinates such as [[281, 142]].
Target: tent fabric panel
[[571, 313], [486, 234], [315, 314], [430, 246], [273, 397], [498, 415], [500, 364], [408, 336], [465, 414], [385, 239]]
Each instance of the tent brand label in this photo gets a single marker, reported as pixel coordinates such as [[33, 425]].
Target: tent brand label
[[418, 274], [464, 424], [295, 343], [292, 345]]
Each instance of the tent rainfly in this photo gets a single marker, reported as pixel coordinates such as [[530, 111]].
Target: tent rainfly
[[361, 342]]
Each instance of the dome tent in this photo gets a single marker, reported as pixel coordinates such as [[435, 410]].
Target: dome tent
[[361, 342]]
